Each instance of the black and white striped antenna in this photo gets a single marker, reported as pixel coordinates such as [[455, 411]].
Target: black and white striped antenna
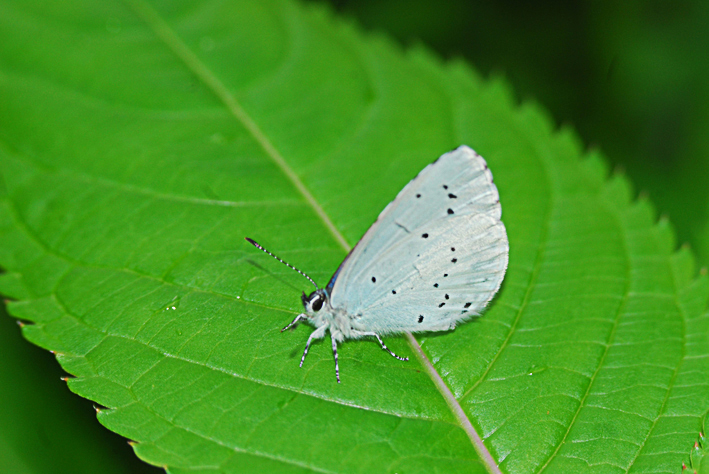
[[258, 246]]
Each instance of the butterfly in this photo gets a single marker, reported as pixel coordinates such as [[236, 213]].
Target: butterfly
[[435, 256]]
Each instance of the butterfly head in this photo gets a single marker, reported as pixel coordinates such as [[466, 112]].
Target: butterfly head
[[315, 301]]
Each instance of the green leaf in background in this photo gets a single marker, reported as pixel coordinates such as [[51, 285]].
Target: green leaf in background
[[141, 141]]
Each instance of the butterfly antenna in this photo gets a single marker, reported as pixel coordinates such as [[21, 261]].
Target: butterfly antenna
[[258, 246]]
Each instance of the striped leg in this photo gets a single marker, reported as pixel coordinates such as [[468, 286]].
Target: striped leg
[[334, 351], [299, 318], [317, 334], [383, 345]]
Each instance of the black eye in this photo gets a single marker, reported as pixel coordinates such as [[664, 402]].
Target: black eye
[[317, 303]]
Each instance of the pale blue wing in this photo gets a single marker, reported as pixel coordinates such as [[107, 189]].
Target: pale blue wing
[[436, 254]]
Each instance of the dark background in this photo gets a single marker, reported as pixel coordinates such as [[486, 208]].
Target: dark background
[[629, 76]]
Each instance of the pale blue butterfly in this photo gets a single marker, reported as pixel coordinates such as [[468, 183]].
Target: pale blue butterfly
[[436, 256]]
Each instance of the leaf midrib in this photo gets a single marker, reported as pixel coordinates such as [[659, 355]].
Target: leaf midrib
[[165, 33]]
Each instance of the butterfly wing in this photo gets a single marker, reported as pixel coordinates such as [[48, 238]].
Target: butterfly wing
[[437, 254]]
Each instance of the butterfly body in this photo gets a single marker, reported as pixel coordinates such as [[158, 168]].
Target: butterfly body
[[435, 256]]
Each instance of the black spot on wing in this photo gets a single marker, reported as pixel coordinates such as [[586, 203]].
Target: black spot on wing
[[452, 196], [374, 280], [425, 236], [450, 211], [467, 305], [454, 260], [420, 318], [442, 305]]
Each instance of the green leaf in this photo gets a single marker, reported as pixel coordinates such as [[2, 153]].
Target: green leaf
[[140, 142], [44, 428]]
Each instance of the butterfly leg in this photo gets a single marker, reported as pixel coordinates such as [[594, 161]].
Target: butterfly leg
[[317, 334], [334, 351], [383, 345], [299, 318]]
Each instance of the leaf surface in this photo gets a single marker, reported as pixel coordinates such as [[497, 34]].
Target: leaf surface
[[44, 427], [140, 142]]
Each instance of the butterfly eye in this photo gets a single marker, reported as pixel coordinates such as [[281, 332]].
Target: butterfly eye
[[316, 303]]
